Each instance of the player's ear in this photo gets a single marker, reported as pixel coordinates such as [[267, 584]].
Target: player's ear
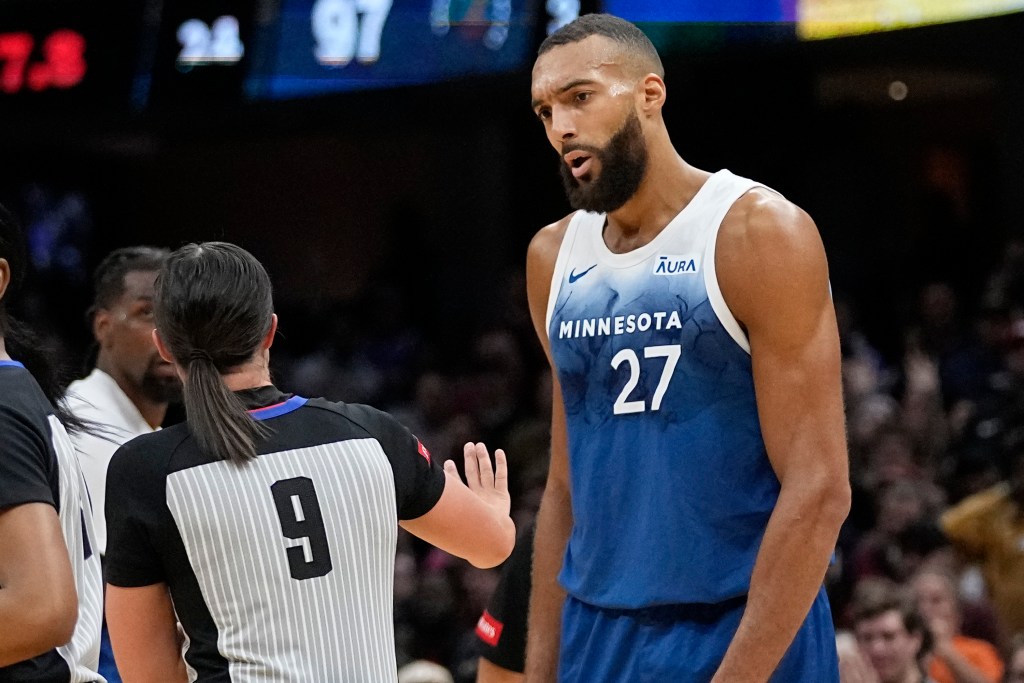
[[268, 340], [653, 91], [102, 320], [161, 348]]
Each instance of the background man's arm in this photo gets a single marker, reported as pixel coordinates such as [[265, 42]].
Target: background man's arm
[[774, 276]]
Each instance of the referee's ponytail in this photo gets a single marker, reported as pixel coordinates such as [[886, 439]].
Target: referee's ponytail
[[213, 308]]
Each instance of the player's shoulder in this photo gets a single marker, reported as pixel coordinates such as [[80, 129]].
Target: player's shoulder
[[548, 240], [149, 452], [762, 218], [766, 235], [22, 402], [87, 394]]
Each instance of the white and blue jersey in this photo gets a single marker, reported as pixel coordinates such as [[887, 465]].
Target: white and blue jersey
[[671, 484]]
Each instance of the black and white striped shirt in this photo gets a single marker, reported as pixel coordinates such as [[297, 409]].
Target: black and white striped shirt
[[280, 569], [38, 465]]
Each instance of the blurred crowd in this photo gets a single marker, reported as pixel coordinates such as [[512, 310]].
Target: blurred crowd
[[932, 552]]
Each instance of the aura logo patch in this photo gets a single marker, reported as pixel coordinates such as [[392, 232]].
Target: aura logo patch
[[669, 264]]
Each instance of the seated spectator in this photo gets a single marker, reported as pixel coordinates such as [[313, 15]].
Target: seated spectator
[[890, 633], [955, 657], [903, 534], [1015, 668]]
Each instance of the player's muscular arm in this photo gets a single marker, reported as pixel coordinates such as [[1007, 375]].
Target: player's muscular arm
[[554, 520], [144, 634], [38, 601], [774, 277]]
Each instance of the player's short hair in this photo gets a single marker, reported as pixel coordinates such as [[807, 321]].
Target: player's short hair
[[108, 279], [631, 39], [213, 308]]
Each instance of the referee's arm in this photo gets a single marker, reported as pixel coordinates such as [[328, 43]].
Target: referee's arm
[[144, 634]]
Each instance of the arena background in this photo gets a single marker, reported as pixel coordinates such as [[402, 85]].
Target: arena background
[[393, 215]]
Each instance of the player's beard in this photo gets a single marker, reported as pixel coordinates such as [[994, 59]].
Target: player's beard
[[160, 388], [623, 163]]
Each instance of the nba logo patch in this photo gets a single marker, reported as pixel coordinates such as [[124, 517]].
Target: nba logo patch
[[422, 450]]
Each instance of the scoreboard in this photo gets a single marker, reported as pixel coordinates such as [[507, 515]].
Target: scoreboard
[[157, 53], [74, 55], [334, 45], [65, 52]]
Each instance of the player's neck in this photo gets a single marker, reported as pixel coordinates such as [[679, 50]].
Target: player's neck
[[668, 186], [251, 375], [3, 350]]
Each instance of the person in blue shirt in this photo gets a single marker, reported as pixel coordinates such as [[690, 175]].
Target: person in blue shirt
[[699, 474]]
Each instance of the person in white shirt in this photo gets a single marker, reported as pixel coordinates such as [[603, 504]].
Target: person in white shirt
[[128, 390]]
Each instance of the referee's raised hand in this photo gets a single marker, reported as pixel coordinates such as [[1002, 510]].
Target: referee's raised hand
[[489, 484], [471, 521]]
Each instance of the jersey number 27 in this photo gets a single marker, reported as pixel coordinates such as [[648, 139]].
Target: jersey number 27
[[669, 352]]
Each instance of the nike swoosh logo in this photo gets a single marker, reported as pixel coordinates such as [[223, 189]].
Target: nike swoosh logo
[[573, 276]]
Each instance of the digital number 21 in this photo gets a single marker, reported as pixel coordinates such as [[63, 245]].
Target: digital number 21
[[671, 355], [299, 511]]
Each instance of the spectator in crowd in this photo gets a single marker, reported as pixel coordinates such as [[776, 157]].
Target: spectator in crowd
[[1015, 663], [988, 528], [890, 633], [955, 658], [903, 535]]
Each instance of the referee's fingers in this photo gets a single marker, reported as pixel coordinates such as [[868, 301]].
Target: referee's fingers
[[484, 462], [500, 470], [472, 468]]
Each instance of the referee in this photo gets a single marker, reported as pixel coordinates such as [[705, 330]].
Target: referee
[[50, 586], [266, 525]]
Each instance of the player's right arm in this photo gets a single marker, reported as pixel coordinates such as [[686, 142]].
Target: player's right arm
[[38, 600], [554, 520]]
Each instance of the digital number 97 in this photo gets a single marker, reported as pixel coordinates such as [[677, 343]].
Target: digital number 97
[[344, 30]]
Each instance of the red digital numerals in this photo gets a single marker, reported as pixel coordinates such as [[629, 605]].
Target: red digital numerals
[[62, 63]]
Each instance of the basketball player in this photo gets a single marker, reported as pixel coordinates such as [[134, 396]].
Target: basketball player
[[698, 472], [129, 388], [50, 584], [267, 524]]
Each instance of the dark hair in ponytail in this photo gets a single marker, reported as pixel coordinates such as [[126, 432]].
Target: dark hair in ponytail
[[213, 308], [22, 344]]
